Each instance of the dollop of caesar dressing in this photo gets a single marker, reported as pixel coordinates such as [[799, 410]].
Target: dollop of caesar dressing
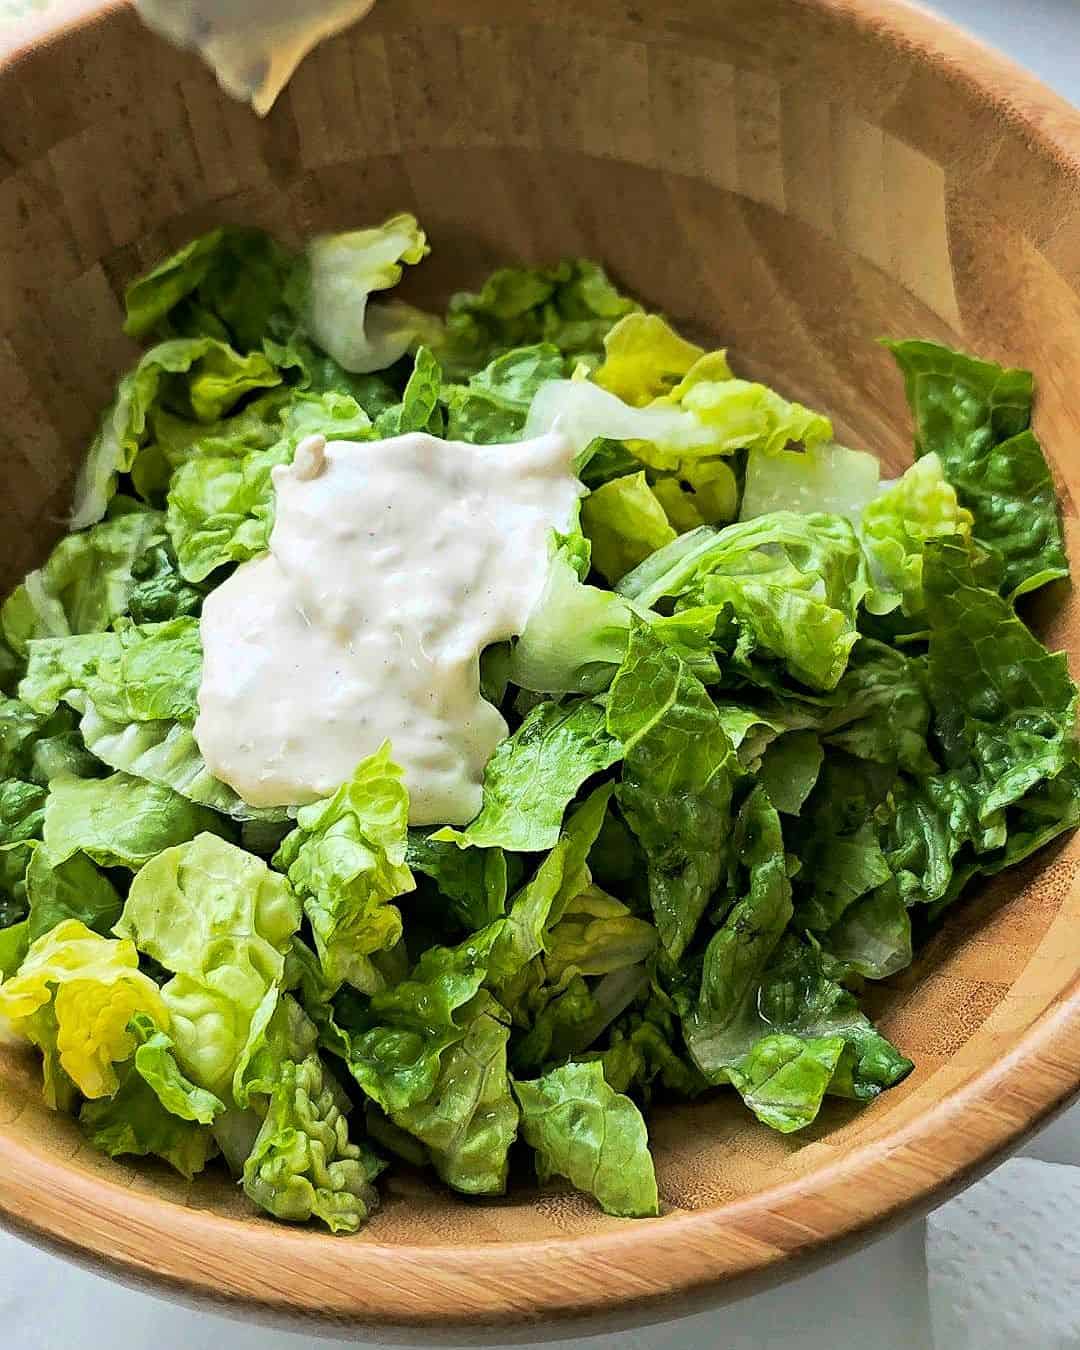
[[252, 46], [392, 564]]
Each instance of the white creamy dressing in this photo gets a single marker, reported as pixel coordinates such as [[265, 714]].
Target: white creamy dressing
[[392, 564], [252, 46]]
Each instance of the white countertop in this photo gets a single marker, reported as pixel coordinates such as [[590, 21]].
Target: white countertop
[[876, 1299]]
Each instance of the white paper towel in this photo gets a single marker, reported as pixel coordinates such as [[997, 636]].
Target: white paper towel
[[1003, 1261]]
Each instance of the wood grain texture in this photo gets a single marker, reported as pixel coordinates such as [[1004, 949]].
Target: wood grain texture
[[794, 177]]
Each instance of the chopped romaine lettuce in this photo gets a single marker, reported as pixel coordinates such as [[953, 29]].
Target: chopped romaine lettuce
[[220, 921], [582, 1130], [575, 637], [976, 416], [794, 584], [346, 860], [625, 522], [644, 358], [221, 502], [119, 821], [211, 376], [742, 757], [342, 271], [73, 995], [535, 773], [922, 505], [571, 306], [302, 1164], [470, 1119], [827, 478], [678, 777]]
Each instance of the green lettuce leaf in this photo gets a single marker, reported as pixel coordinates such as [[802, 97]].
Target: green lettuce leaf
[[511, 380], [783, 1078], [535, 774], [200, 376], [558, 1020], [159, 592], [836, 840], [316, 373], [137, 690], [22, 811], [190, 897], [303, 1165], [976, 417], [883, 709], [20, 728], [836, 872], [661, 434], [642, 1051], [149, 299], [931, 821], [739, 950], [743, 414], [139, 673], [575, 638], [14, 944], [394, 1041], [226, 284], [419, 409], [289, 1034], [678, 776], [74, 889], [471, 882], [602, 460], [37, 747], [172, 440], [582, 1130], [470, 1119], [873, 935], [644, 359], [220, 921], [493, 405], [767, 1017], [708, 413], [164, 752], [1002, 701], [155, 1109], [596, 935], [22, 818], [119, 821], [794, 584], [794, 1035], [541, 903], [616, 861], [341, 273], [625, 523], [156, 1065], [346, 861], [828, 478], [133, 1121], [922, 505], [1034, 821], [789, 770], [86, 583], [1005, 713], [570, 306], [704, 491], [73, 997], [221, 503]]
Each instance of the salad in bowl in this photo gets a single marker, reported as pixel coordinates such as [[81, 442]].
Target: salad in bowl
[[440, 738]]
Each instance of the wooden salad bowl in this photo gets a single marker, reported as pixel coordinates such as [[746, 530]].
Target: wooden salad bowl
[[793, 177]]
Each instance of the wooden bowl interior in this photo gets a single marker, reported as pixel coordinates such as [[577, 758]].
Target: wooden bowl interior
[[787, 178]]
